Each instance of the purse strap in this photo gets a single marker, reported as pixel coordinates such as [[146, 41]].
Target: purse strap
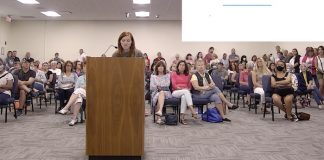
[[4, 75]]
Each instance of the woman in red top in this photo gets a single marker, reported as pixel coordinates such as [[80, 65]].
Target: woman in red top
[[181, 89]]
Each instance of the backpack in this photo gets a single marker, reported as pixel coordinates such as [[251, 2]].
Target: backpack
[[212, 115]]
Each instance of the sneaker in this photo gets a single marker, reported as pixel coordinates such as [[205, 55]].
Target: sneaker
[[294, 118], [226, 120], [321, 107], [34, 94], [233, 107], [62, 111], [73, 122], [19, 112]]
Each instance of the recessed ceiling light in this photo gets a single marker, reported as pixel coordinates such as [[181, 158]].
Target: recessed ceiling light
[[51, 14], [142, 14], [141, 1], [28, 1]]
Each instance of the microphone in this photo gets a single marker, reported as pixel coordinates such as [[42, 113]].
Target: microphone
[[109, 48]]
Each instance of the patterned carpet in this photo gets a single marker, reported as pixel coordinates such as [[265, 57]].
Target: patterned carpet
[[42, 135]]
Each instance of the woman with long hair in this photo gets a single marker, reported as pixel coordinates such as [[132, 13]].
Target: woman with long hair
[[160, 88], [260, 70], [282, 84], [126, 46], [181, 87]]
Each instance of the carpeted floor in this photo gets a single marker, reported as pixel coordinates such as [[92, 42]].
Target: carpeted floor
[[42, 135]]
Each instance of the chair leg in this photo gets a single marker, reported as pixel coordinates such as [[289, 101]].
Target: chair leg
[[45, 100], [238, 97], [272, 112], [32, 104], [243, 100], [50, 98], [15, 114], [40, 102], [6, 115], [264, 111], [230, 96], [255, 106], [1, 111], [25, 106], [55, 105]]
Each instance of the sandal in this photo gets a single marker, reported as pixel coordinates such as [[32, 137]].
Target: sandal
[[182, 121], [158, 114], [195, 115], [160, 122]]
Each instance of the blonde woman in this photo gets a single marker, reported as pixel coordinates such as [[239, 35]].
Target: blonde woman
[[260, 70]]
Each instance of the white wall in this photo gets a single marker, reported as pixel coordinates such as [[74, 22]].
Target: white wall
[[44, 38], [4, 36]]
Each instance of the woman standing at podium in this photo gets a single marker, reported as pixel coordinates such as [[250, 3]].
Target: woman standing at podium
[[126, 46]]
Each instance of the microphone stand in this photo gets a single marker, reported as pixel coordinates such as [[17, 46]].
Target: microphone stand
[[108, 50]]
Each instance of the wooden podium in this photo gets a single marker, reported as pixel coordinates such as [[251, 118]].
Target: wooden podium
[[115, 108]]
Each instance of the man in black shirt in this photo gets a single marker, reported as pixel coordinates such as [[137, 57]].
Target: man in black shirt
[[26, 78], [14, 56]]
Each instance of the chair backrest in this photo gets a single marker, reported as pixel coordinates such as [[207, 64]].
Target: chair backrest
[[217, 80], [237, 80], [52, 84], [250, 83], [266, 85]]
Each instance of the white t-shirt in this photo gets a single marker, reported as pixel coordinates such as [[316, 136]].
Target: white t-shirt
[[56, 71], [82, 57], [3, 81], [214, 61]]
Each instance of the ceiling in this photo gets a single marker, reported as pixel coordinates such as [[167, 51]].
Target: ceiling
[[91, 9]]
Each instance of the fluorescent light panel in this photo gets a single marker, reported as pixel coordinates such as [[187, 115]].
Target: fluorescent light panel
[[51, 14], [141, 1], [142, 14], [28, 1]]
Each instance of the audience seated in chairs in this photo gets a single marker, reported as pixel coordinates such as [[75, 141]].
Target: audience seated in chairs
[[204, 87], [6, 83], [307, 85], [26, 78], [181, 87], [76, 98], [260, 70], [66, 83], [283, 91], [159, 86]]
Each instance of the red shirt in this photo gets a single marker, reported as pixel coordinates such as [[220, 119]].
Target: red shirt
[[244, 76], [180, 80]]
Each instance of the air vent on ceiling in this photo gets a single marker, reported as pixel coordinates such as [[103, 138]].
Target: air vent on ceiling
[[27, 17]]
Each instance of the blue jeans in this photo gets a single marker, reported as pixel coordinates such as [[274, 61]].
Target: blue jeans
[[211, 94], [245, 89], [38, 86], [317, 96]]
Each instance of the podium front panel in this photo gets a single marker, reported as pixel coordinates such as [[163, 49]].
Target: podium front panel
[[115, 106]]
